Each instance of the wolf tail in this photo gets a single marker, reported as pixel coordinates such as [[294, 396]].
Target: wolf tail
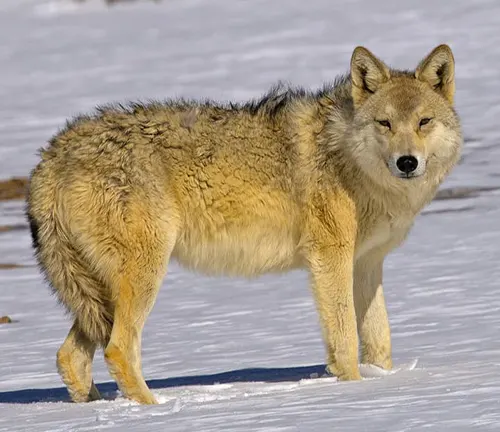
[[71, 278]]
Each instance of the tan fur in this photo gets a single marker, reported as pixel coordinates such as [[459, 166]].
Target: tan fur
[[295, 180]]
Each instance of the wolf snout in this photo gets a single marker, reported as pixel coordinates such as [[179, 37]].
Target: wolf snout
[[407, 164]]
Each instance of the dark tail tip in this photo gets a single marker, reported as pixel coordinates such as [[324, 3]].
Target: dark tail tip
[[34, 231]]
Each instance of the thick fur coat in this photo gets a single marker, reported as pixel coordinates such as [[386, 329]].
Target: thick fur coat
[[329, 181]]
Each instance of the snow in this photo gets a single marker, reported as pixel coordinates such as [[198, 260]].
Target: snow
[[230, 354]]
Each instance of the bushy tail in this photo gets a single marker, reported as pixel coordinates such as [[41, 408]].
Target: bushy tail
[[71, 278]]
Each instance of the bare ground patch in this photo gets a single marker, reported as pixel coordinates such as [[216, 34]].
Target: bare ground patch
[[13, 189], [11, 266], [8, 228]]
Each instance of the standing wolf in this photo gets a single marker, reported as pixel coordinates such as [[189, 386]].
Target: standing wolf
[[328, 181]]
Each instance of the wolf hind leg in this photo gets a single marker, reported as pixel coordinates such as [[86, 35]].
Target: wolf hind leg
[[135, 288], [123, 352], [74, 363]]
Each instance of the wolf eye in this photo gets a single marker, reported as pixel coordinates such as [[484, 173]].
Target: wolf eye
[[424, 121], [385, 123]]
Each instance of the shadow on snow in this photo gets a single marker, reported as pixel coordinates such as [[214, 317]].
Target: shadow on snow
[[109, 389]]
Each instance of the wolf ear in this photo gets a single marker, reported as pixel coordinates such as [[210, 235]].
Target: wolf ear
[[368, 73], [438, 70]]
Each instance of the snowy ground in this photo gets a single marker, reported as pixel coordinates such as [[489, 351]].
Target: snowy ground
[[225, 354]]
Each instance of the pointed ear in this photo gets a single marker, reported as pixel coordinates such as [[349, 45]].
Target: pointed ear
[[368, 73], [438, 70]]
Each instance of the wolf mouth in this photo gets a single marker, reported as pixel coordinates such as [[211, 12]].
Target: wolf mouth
[[409, 176]]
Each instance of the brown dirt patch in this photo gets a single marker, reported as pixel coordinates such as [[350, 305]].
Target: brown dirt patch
[[10, 266], [8, 228], [13, 189]]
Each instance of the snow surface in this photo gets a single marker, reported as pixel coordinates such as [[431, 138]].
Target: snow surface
[[236, 355]]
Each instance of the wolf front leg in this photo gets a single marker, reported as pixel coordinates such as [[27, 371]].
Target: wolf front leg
[[371, 313], [331, 269]]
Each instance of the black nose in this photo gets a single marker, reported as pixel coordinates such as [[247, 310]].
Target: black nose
[[407, 164]]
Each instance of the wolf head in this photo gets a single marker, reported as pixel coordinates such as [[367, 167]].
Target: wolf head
[[405, 128]]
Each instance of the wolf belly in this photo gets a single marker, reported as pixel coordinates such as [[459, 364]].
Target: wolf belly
[[239, 251]]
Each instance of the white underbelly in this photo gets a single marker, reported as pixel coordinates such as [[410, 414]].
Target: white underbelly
[[238, 252]]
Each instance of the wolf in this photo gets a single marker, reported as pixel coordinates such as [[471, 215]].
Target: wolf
[[329, 181]]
